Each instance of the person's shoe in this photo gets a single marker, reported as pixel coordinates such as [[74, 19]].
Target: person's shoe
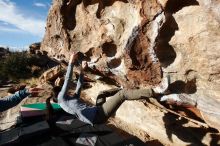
[[174, 98], [162, 87], [179, 100]]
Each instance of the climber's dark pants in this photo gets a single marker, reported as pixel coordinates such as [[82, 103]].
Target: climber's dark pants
[[106, 109]]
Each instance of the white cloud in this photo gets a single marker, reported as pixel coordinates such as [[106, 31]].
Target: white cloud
[[9, 13], [9, 29], [40, 5]]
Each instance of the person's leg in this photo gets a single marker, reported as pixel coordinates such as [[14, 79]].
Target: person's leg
[[111, 105], [134, 94], [101, 98], [108, 108]]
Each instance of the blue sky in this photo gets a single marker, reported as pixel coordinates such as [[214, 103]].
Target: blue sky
[[22, 22]]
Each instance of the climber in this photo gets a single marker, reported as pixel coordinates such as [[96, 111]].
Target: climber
[[14, 99], [103, 110]]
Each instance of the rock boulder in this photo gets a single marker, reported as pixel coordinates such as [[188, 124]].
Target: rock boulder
[[135, 43]]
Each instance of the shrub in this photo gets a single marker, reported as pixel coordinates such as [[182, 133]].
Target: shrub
[[16, 66]]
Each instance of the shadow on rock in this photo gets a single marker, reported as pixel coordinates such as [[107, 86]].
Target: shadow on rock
[[181, 129]]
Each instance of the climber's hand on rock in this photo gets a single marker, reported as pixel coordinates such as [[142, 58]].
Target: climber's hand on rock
[[84, 65], [74, 57]]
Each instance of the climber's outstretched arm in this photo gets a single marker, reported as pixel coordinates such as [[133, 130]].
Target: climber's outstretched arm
[[68, 77]]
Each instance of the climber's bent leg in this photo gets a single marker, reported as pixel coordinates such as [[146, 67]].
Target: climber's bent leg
[[111, 105], [134, 94], [101, 98]]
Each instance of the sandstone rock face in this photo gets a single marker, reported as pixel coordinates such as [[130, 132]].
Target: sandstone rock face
[[150, 121], [197, 58], [129, 41], [33, 48], [212, 6], [116, 36], [51, 74]]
